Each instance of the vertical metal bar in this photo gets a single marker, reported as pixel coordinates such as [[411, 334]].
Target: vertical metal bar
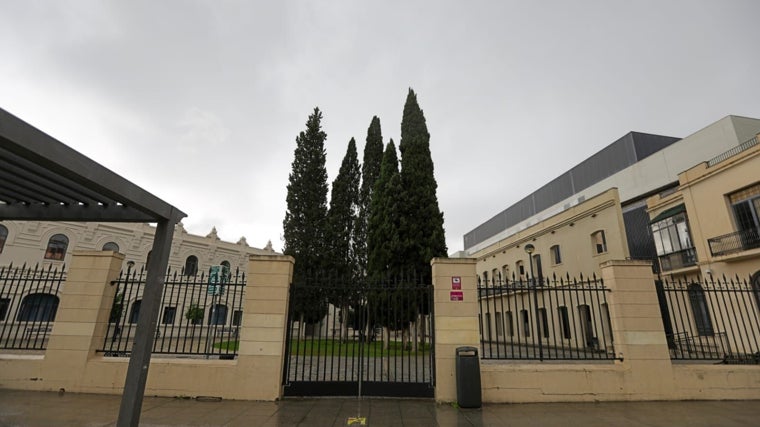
[[139, 361], [286, 377], [716, 295], [574, 310], [754, 327], [727, 320], [174, 329], [684, 325], [736, 295]]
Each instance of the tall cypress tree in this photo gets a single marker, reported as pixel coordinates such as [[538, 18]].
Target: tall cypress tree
[[383, 238], [306, 215], [422, 221], [344, 206], [373, 156]]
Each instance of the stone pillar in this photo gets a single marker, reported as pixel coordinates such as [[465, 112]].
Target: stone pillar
[[637, 330], [265, 316], [81, 321], [456, 322]]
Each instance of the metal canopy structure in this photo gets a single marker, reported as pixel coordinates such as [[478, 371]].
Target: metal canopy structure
[[42, 179]]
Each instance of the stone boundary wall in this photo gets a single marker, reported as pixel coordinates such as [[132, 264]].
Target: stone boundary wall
[[72, 363], [644, 373]]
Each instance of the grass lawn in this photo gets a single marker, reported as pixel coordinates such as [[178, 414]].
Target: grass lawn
[[337, 348]]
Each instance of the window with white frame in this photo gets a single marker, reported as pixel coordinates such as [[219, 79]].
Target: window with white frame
[[599, 242], [556, 255], [746, 206], [672, 234]]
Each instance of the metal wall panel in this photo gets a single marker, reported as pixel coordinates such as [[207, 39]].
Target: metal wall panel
[[615, 157]]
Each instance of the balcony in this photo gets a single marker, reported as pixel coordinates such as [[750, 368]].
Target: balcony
[[735, 242], [680, 259]]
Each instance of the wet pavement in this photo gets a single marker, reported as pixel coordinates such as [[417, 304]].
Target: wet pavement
[[25, 408]]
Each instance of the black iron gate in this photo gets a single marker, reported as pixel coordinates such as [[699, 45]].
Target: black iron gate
[[348, 338]]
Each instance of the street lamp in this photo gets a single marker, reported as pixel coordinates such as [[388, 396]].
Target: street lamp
[[529, 249]]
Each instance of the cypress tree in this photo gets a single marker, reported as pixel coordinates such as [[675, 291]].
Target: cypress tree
[[305, 220], [373, 156], [344, 206], [395, 305], [383, 238], [422, 221], [341, 218]]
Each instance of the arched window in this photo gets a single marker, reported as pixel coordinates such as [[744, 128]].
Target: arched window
[[111, 246], [38, 308], [226, 264], [700, 310], [3, 236], [134, 314], [191, 265], [56, 247], [217, 315]]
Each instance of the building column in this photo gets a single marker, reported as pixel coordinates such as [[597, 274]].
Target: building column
[[637, 329], [455, 319], [81, 321], [264, 325]]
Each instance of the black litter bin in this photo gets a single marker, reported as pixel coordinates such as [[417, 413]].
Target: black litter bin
[[468, 377]]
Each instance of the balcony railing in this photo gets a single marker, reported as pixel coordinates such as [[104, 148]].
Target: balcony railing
[[735, 242], [732, 152], [680, 259]]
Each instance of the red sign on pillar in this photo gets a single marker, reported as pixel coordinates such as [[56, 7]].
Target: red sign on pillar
[[457, 296], [456, 282]]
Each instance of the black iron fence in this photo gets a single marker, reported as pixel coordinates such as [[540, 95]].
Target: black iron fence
[[735, 242], [545, 319], [28, 304], [350, 336], [712, 319], [200, 315]]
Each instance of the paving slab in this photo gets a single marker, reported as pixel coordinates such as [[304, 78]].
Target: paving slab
[[30, 408]]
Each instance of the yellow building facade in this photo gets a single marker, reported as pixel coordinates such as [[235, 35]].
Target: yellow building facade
[[575, 241], [710, 224]]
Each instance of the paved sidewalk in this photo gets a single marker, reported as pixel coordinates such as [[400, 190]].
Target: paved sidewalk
[[24, 408]]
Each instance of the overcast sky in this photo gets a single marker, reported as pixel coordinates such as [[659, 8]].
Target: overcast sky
[[200, 102]]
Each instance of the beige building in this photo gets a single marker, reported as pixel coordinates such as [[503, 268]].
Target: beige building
[[574, 241], [710, 224], [51, 244], [598, 211]]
